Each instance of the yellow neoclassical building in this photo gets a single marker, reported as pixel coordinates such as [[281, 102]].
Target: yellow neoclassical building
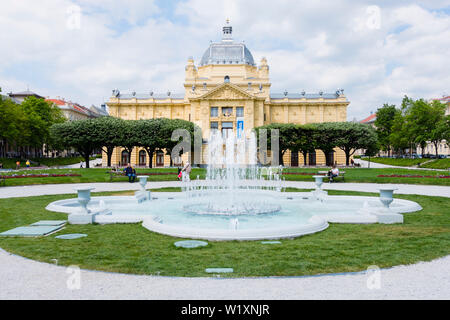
[[226, 91]]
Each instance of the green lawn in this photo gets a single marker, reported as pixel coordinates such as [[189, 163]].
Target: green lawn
[[431, 163], [130, 248], [352, 175], [438, 164], [396, 162]]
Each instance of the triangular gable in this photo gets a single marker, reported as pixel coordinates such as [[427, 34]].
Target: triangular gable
[[227, 91]]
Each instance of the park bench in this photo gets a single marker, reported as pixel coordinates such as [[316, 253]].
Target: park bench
[[340, 176], [115, 174]]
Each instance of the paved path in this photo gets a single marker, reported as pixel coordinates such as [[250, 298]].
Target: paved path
[[48, 189], [21, 278], [26, 279], [92, 164]]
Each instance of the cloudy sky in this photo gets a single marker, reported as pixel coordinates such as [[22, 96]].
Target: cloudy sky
[[377, 51]]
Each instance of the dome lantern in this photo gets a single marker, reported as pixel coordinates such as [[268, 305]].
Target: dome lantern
[[227, 51], [227, 32]]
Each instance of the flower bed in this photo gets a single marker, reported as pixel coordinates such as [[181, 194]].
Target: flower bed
[[43, 175], [409, 176]]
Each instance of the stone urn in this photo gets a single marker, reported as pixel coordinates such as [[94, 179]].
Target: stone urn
[[84, 196], [387, 196], [319, 181], [142, 182]]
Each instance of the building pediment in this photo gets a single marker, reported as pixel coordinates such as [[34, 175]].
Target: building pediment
[[226, 91]]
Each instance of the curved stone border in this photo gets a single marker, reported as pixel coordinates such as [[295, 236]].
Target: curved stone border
[[316, 224]]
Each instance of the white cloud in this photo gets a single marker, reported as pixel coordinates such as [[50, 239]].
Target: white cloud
[[309, 45]]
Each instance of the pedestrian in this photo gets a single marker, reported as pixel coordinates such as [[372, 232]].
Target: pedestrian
[[27, 163], [187, 169], [131, 173], [17, 165]]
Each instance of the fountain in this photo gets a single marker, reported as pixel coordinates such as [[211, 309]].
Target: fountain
[[142, 194], [319, 194], [238, 200], [83, 215]]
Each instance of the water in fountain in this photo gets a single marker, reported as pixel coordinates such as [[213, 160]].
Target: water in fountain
[[234, 183]]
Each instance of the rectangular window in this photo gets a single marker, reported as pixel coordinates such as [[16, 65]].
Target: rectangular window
[[214, 112], [214, 125], [227, 111], [239, 111]]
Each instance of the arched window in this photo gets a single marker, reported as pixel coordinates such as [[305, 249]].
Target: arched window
[[125, 158], [227, 79], [142, 158], [159, 158]]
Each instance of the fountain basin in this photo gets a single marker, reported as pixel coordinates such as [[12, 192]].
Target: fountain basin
[[299, 215]]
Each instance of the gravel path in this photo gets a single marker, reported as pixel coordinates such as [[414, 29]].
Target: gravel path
[[47, 189], [21, 278], [26, 279]]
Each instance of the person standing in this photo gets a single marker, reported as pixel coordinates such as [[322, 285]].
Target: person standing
[[27, 163], [187, 169], [17, 165]]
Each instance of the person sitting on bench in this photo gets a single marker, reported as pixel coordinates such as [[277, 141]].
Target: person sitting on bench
[[130, 173], [333, 173]]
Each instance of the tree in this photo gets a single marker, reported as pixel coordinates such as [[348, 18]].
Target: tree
[[351, 136], [306, 141], [372, 150], [384, 123], [129, 135], [11, 122], [39, 117], [288, 138], [424, 122], [324, 138], [172, 125], [82, 135], [150, 135], [109, 132], [439, 131], [400, 136]]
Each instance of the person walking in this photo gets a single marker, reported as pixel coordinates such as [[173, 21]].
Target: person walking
[[131, 173], [187, 169]]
